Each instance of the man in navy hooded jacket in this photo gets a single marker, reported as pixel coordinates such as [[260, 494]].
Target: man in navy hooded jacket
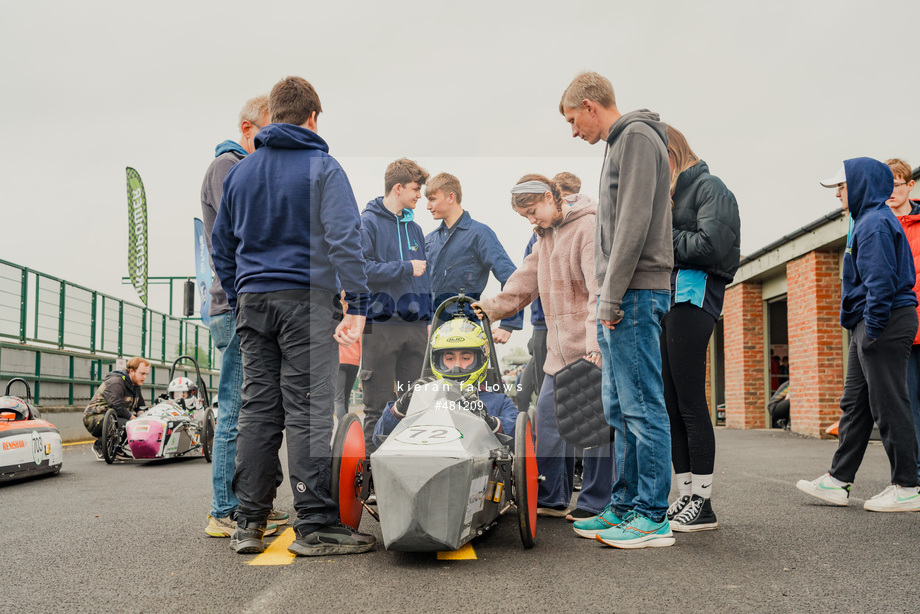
[[394, 343], [878, 306], [286, 239]]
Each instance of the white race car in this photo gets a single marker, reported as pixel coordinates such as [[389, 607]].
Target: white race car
[[181, 423], [28, 445]]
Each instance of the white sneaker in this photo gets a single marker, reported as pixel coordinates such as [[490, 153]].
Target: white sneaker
[[825, 489], [894, 499]]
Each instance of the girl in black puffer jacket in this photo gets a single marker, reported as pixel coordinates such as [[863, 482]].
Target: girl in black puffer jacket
[[707, 248]]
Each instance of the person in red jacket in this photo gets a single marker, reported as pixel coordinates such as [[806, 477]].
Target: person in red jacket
[[908, 213]]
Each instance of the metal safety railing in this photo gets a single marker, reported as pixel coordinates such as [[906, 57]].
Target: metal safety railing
[[68, 316]]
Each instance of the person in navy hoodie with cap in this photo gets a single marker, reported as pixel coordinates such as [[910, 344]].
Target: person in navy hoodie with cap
[[878, 306], [285, 241], [396, 336]]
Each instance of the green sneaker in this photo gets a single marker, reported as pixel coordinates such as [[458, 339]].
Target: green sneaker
[[589, 527], [638, 532], [279, 516]]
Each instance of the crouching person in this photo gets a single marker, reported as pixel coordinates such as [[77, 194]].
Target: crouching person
[[459, 354], [121, 391]]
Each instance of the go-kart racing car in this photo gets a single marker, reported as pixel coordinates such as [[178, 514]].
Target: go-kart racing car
[[181, 423], [28, 445], [442, 476]]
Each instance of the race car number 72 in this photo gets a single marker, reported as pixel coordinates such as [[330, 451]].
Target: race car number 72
[[424, 435]]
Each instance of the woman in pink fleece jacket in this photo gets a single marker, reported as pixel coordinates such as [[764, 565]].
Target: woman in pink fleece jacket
[[560, 271]]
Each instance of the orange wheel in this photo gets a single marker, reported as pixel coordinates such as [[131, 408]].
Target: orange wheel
[[348, 456], [525, 479]]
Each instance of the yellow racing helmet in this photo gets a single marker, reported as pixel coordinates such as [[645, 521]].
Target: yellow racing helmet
[[460, 335]]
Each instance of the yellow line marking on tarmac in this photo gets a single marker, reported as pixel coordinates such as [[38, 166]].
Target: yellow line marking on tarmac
[[465, 553], [277, 552], [78, 443]]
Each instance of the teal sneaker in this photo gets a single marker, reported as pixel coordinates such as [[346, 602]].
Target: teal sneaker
[[638, 532], [278, 516], [589, 527]]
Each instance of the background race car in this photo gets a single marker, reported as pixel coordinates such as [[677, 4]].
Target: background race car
[[28, 445], [181, 423]]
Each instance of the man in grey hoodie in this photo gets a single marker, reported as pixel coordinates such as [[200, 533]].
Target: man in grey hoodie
[[633, 258], [253, 117]]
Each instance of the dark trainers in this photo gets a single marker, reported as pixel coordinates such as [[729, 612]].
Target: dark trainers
[[677, 507], [579, 514], [97, 450], [332, 539], [697, 515], [248, 540], [224, 527]]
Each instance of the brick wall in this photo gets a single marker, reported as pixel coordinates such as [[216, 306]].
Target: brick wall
[[744, 356], [815, 342]]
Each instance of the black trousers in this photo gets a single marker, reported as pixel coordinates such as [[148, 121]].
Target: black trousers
[[288, 385], [532, 377], [876, 390], [685, 333], [391, 359], [344, 382]]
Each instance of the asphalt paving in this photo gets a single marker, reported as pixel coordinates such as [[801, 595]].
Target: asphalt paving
[[129, 538]]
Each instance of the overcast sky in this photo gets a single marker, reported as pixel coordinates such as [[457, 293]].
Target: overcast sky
[[773, 95]]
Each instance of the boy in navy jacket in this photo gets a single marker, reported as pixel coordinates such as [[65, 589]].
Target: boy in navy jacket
[[394, 342], [285, 240], [878, 306], [463, 252]]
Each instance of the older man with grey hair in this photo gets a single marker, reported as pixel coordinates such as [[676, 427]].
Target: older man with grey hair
[[253, 117]]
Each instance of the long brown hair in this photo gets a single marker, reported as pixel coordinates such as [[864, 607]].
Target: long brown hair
[[680, 151]]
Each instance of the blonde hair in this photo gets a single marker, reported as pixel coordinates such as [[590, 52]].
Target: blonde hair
[[445, 182], [568, 183], [588, 86], [680, 151], [900, 169], [403, 171], [254, 110], [522, 201]]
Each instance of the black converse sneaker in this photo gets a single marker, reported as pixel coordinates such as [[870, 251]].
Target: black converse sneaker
[[697, 515], [677, 507]]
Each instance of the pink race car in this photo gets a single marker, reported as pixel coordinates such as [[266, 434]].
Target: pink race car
[[180, 424]]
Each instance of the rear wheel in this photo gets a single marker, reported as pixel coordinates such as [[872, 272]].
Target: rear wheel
[[525, 479], [207, 434], [110, 436], [348, 475]]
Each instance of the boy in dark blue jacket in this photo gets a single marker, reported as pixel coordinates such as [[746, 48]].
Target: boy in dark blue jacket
[[463, 251], [393, 345], [285, 240], [878, 306]]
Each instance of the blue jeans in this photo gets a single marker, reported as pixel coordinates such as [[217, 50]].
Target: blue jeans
[[634, 403], [223, 455]]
